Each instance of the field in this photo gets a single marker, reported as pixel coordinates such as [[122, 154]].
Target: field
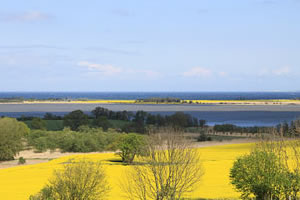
[[17, 183]]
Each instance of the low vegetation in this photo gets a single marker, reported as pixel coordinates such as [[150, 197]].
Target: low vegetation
[[78, 180], [85, 140], [131, 145], [270, 171]]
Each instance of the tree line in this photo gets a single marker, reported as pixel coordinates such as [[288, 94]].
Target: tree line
[[138, 122]]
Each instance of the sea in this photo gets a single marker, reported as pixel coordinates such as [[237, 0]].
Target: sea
[[145, 95], [239, 118]]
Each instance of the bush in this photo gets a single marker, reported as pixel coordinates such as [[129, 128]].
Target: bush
[[21, 161], [258, 174], [83, 180], [11, 135], [203, 137], [87, 140], [131, 145]]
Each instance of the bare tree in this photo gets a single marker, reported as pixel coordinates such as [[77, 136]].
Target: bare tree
[[171, 169]]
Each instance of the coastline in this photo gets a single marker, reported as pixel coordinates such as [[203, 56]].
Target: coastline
[[182, 102], [87, 107]]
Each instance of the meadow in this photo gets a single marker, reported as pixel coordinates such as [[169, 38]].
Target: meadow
[[18, 183]]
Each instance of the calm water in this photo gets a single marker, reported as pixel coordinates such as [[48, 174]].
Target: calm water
[[241, 118], [144, 95]]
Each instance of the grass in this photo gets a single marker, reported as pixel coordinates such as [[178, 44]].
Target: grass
[[18, 183]]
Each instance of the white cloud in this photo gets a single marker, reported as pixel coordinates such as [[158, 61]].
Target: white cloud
[[26, 17], [127, 73], [283, 71], [198, 72], [105, 69]]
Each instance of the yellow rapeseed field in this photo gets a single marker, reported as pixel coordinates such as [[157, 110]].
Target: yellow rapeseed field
[[18, 183]]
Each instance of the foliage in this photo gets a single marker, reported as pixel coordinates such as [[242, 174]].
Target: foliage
[[102, 122], [159, 100], [86, 140], [11, 134], [83, 180], [50, 116], [104, 112], [38, 123], [130, 145], [203, 137], [75, 119], [237, 129], [259, 174], [21, 161]]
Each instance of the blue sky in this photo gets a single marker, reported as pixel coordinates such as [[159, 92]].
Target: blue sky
[[139, 45]]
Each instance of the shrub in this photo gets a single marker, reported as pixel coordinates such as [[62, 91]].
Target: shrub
[[21, 161], [258, 174], [87, 140], [131, 145], [83, 180]]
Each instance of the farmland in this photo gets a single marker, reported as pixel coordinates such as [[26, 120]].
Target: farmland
[[20, 182]]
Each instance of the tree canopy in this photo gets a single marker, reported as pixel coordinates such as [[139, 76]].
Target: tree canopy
[[11, 134]]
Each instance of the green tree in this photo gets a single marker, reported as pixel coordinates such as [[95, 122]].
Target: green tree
[[179, 119], [38, 123], [102, 122], [11, 135], [131, 145], [259, 174], [75, 119], [83, 180], [202, 123]]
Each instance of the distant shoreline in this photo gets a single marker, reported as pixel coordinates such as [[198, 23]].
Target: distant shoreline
[[182, 102], [87, 107]]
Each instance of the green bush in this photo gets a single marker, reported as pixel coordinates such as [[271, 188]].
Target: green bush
[[258, 174], [130, 145], [85, 140], [21, 161], [83, 180]]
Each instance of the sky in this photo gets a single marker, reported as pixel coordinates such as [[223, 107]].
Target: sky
[[150, 45]]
